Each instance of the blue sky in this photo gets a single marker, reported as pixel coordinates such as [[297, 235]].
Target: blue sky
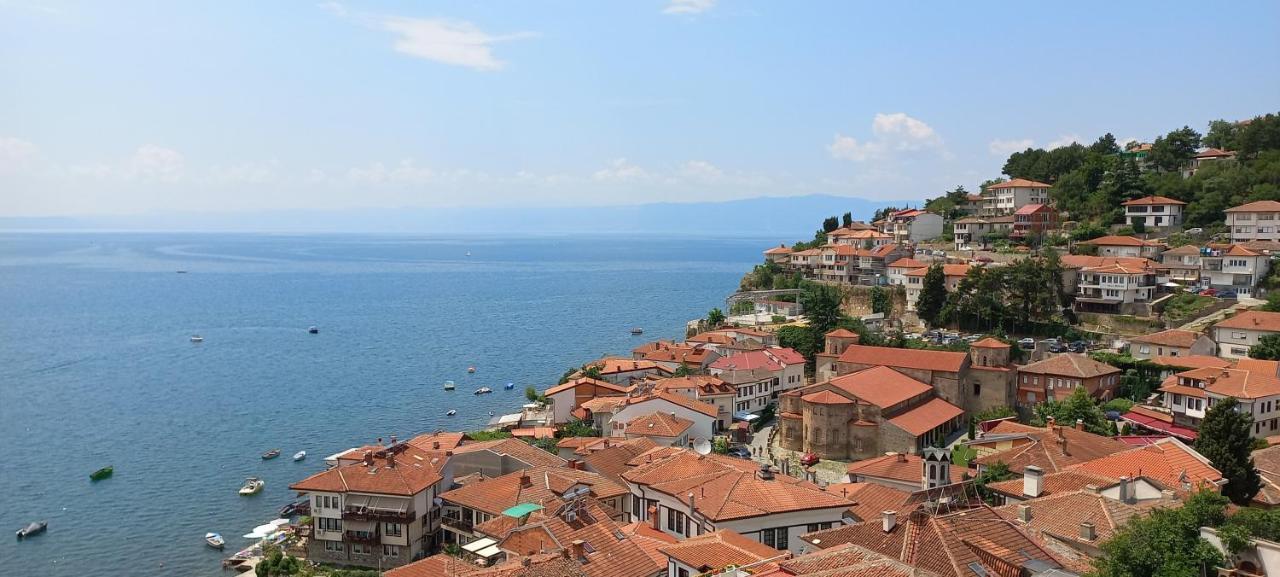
[[153, 107]]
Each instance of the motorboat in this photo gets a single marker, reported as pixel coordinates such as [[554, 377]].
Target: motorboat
[[215, 540], [252, 486], [637, 331], [449, 386], [302, 507], [273, 453], [509, 386], [451, 412], [483, 390], [314, 330], [33, 529], [197, 339], [471, 369], [300, 455], [102, 473]]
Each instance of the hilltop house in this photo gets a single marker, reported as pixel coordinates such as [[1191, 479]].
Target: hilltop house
[[844, 263], [1171, 343], [1234, 268], [898, 269], [1254, 383], [760, 376], [971, 231], [1056, 377], [1237, 334], [1180, 265], [568, 396], [1125, 246], [1117, 288], [953, 273], [1254, 221], [912, 226], [1006, 198], [1033, 219], [1204, 157], [867, 238], [1154, 212]]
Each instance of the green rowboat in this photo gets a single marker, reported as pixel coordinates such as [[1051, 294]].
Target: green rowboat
[[102, 473]]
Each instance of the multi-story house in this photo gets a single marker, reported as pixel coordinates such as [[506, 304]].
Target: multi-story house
[[704, 388], [690, 494], [692, 356], [716, 553], [971, 205], [953, 273], [971, 232], [1058, 376], [376, 506], [1126, 246], [1171, 343], [804, 261], [1005, 198], [569, 395], [779, 254], [862, 237], [1033, 219], [621, 370], [760, 376], [1235, 268], [1116, 289], [1154, 212], [898, 269], [1254, 383], [848, 264], [1203, 157], [1180, 265], [1254, 221], [912, 225], [1237, 334]]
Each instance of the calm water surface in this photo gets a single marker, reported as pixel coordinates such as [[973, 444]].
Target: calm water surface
[[96, 366]]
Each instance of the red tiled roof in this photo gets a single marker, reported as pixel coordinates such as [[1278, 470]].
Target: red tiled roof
[[514, 448], [1160, 422], [1019, 183], [413, 471], [575, 383], [826, 398], [869, 499], [778, 250], [1169, 462], [842, 333], [1237, 250], [658, 425], [1214, 153], [927, 417], [770, 359], [908, 263], [896, 466], [952, 270], [944, 361], [618, 365], [541, 485], [1119, 241], [1238, 383], [1088, 261], [611, 460], [991, 343], [1070, 365], [1170, 338], [1259, 206], [719, 549], [879, 385], [1055, 483], [1252, 320], [1031, 209], [1192, 362], [1045, 446], [1151, 200]]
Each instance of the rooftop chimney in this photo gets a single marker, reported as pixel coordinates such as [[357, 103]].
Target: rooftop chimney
[[579, 550], [391, 459], [1051, 421], [901, 457], [1032, 481], [435, 445], [525, 481], [1024, 513], [368, 458], [1087, 531], [766, 473], [653, 517], [1079, 424], [693, 502], [525, 562], [1125, 490], [888, 519]]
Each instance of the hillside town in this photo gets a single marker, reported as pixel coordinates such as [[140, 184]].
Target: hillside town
[[989, 384]]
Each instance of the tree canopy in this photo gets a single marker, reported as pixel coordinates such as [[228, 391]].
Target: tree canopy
[[933, 296], [1165, 543], [1224, 438], [1268, 347]]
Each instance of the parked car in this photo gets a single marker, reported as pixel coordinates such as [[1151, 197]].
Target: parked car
[[1027, 343], [1079, 347], [740, 451], [1056, 348], [952, 336], [1209, 292], [1195, 231], [983, 259], [809, 459], [1227, 294], [972, 338]]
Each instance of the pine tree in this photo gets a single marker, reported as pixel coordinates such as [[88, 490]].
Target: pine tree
[[1224, 439], [933, 295]]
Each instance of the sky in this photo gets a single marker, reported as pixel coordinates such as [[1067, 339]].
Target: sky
[[119, 108]]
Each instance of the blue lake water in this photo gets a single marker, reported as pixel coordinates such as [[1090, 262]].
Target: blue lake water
[[96, 366]]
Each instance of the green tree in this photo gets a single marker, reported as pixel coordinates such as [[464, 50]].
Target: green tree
[[1079, 406], [993, 473], [993, 413], [821, 303], [743, 307], [1172, 151], [1165, 543], [799, 338], [933, 296], [1105, 145], [531, 393], [548, 444], [683, 370], [880, 302], [1268, 347], [715, 318], [1221, 135], [847, 220], [1224, 438], [1273, 302], [579, 428], [830, 223]]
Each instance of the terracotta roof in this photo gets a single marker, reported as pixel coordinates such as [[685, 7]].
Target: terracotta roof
[[879, 385], [1267, 462], [1019, 183], [1214, 153], [1192, 362], [1186, 249], [539, 485], [1237, 250], [1055, 520], [908, 263], [684, 354], [445, 565], [1168, 462], [619, 365], [726, 488], [1045, 448], [927, 417], [514, 448], [952, 270], [438, 441], [1170, 338], [1238, 383], [649, 540], [604, 404], [949, 545], [707, 409], [605, 554], [1114, 240], [658, 424], [713, 337], [703, 384], [1259, 206], [1151, 200], [1055, 483], [1031, 208], [714, 551], [534, 433], [898, 467], [990, 343], [842, 333], [1120, 269], [1070, 365], [826, 398], [778, 250], [611, 461], [1171, 387], [770, 359], [869, 499], [414, 471], [1088, 261], [863, 233], [1252, 320], [944, 361]]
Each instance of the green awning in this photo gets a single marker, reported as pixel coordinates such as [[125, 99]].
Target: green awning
[[522, 509]]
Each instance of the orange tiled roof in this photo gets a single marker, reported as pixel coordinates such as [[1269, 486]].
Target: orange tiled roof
[[896, 466], [1170, 338], [704, 384], [581, 381], [1083, 261], [1055, 483], [1259, 206], [611, 460], [541, 485], [658, 424], [618, 365], [1151, 200], [944, 361], [880, 386], [1237, 250], [713, 337], [1019, 183], [842, 333], [926, 417], [1238, 383], [1252, 320], [1192, 362], [402, 470], [514, 448], [726, 488], [991, 343], [908, 263], [1168, 462], [869, 499], [1070, 365], [1045, 447], [714, 551], [438, 441], [842, 561], [1267, 462], [1114, 240], [1057, 518], [951, 270], [778, 250], [826, 398], [1214, 153]]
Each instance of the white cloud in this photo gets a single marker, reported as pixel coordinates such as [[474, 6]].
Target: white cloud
[[620, 170], [453, 42], [335, 8], [406, 172], [701, 170], [1000, 147], [688, 6], [1062, 141], [896, 132], [151, 162], [16, 154]]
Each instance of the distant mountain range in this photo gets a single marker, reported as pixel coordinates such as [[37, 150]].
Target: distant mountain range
[[780, 217]]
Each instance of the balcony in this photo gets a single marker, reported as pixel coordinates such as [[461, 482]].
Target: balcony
[[365, 514], [457, 524], [367, 537]]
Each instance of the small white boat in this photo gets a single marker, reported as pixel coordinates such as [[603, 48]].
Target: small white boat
[[252, 486], [449, 386], [637, 331], [215, 540], [314, 330], [483, 390], [197, 339], [471, 369], [468, 253], [300, 455], [451, 412]]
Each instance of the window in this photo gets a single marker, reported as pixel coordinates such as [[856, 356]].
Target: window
[[776, 538], [327, 524], [977, 389], [817, 527], [390, 551], [682, 572], [392, 529], [1144, 349], [1237, 334], [335, 547]]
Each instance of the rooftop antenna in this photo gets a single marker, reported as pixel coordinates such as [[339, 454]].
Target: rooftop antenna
[[702, 447]]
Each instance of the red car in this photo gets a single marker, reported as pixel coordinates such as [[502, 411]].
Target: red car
[[1208, 292], [809, 459]]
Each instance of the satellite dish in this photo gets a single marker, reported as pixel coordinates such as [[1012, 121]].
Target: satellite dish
[[702, 447]]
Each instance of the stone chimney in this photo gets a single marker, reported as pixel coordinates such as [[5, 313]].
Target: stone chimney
[[525, 481], [368, 458], [1125, 490], [653, 517], [693, 502], [391, 459], [579, 550], [888, 519], [1079, 424], [435, 445], [1024, 513], [1032, 481], [1087, 531]]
